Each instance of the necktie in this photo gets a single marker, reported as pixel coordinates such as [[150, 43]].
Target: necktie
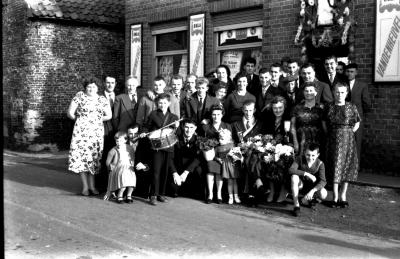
[[247, 125], [133, 98], [331, 78], [200, 109]]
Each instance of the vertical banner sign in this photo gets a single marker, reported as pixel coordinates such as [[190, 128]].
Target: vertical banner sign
[[136, 51], [196, 54], [387, 41]]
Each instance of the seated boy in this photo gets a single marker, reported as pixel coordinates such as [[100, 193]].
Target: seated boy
[[308, 175], [187, 179]]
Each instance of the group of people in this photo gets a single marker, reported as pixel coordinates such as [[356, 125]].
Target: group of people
[[321, 118]]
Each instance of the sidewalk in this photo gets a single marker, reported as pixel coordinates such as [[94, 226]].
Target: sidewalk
[[367, 179]]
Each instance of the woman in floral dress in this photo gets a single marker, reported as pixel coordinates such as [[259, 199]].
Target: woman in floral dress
[[88, 110], [306, 122], [343, 121]]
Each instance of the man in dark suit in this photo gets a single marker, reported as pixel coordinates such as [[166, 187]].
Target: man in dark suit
[[331, 77], [188, 179], [109, 131], [253, 81], [324, 94], [267, 91], [198, 107], [125, 107], [359, 96]]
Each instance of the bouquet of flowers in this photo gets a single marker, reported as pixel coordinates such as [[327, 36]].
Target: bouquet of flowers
[[266, 158], [207, 145]]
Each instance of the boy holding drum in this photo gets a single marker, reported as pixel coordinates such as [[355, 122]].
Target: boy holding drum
[[162, 157]]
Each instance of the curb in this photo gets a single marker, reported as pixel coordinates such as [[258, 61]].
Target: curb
[[360, 183], [58, 155]]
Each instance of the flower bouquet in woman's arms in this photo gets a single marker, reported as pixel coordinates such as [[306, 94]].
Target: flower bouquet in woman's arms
[[207, 145]]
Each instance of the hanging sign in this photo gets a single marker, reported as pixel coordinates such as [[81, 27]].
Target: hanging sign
[[387, 41], [196, 54], [136, 52]]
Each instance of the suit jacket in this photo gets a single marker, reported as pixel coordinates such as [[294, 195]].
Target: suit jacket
[[124, 115], [108, 125], [337, 78], [191, 108], [238, 126], [263, 101], [146, 106], [360, 97], [324, 93], [186, 155]]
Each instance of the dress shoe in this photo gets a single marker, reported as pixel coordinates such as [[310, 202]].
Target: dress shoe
[[296, 211], [161, 198], [237, 200], [230, 201], [85, 193], [334, 204], [208, 201], [344, 204], [129, 199], [153, 200], [120, 200], [219, 201]]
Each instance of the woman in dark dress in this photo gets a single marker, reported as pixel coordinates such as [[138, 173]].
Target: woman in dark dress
[[214, 168], [306, 121], [342, 120], [277, 124], [234, 102]]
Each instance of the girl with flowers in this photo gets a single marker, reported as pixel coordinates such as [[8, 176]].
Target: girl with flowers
[[211, 131]]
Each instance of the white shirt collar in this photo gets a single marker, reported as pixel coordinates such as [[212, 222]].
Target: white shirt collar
[[251, 121]]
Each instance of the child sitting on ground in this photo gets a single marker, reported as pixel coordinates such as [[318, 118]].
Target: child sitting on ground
[[120, 163], [308, 175]]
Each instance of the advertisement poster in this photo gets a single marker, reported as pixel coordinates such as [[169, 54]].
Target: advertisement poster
[[166, 67], [232, 59], [136, 52], [196, 54], [387, 45]]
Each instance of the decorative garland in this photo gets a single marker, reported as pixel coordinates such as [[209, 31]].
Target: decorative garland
[[339, 33]]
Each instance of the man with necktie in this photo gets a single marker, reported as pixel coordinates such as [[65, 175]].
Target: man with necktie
[[109, 131], [187, 178], [125, 107], [359, 96], [331, 77]]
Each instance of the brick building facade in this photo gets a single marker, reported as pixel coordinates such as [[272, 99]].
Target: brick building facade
[[279, 21], [48, 48]]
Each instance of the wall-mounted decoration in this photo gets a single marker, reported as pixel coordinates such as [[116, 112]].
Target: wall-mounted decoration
[[136, 52], [387, 41], [325, 28], [196, 53]]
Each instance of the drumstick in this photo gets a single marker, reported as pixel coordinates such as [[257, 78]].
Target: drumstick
[[148, 133]]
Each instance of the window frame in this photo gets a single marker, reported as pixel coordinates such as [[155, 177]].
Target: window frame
[[218, 49], [156, 54]]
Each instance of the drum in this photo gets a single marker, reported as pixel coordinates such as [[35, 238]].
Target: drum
[[162, 139]]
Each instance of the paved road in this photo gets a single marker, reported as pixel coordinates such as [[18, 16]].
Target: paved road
[[45, 218]]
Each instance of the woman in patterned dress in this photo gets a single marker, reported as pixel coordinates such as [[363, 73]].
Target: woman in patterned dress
[[307, 120], [88, 110], [343, 120]]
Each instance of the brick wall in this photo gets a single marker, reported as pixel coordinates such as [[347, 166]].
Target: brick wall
[[381, 143], [44, 64]]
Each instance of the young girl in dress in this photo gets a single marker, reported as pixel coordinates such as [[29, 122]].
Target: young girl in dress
[[229, 163], [120, 163]]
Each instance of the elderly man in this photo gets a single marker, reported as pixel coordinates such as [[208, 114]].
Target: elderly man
[[125, 107]]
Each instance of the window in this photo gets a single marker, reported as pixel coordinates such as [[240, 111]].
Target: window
[[235, 43], [171, 52]]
